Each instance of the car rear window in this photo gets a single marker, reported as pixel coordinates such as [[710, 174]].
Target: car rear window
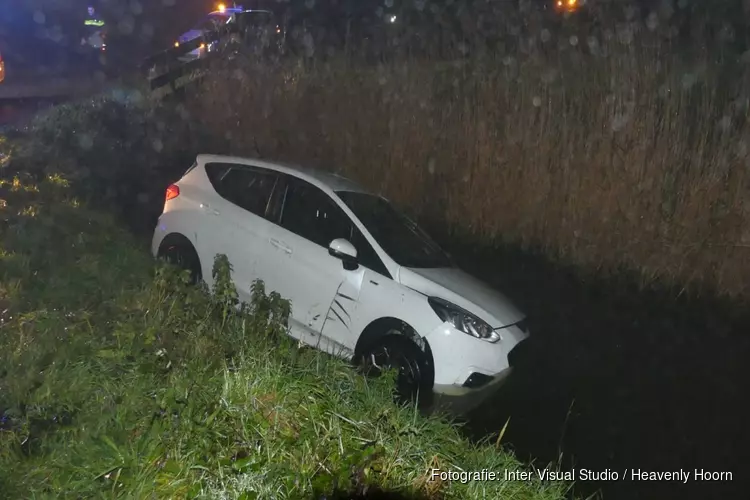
[[244, 186]]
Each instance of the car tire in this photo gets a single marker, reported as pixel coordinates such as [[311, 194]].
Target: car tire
[[184, 258], [394, 350]]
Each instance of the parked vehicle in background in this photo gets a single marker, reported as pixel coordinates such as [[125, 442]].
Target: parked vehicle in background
[[249, 26], [365, 282]]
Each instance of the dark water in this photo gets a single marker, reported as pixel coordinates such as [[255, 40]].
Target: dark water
[[620, 379]]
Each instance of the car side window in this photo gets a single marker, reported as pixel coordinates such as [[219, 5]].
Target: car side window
[[313, 215], [366, 255], [216, 171], [246, 187], [310, 213]]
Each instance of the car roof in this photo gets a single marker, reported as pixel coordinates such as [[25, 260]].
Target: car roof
[[236, 10], [320, 178], [225, 12]]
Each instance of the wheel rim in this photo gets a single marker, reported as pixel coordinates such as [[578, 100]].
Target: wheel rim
[[409, 378], [174, 256]]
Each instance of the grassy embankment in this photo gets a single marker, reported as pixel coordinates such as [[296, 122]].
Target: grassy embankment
[[117, 380]]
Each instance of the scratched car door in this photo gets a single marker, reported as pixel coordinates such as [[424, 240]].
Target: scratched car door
[[322, 292]]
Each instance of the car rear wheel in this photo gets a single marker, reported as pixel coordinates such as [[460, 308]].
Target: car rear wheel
[[396, 351], [184, 258]]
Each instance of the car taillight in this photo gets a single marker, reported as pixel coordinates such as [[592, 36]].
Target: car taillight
[[173, 191]]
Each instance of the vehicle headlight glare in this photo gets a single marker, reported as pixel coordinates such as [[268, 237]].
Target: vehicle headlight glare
[[463, 320]]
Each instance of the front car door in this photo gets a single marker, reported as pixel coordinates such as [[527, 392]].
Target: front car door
[[324, 295]]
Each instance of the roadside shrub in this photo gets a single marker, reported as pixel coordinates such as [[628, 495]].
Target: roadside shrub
[[119, 150]]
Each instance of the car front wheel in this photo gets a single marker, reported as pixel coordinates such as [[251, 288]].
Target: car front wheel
[[395, 351]]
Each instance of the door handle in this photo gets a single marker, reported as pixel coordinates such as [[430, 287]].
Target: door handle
[[207, 208], [280, 245]]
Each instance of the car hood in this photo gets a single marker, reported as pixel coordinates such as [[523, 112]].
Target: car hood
[[460, 288], [190, 35]]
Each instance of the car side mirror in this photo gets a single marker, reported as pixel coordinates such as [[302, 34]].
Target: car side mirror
[[344, 251]]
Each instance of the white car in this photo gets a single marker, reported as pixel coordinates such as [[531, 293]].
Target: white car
[[364, 281]]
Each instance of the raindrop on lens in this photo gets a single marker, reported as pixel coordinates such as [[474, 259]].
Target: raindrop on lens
[[85, 141]]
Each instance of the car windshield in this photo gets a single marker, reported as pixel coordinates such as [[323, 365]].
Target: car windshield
[[401, 238], [213, 21]]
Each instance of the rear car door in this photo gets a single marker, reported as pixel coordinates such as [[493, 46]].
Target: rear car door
[[240, 228]]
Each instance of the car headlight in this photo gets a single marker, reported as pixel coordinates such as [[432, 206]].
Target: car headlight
[[463, 320]]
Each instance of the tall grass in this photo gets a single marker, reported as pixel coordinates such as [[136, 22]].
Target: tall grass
[[609, 152]]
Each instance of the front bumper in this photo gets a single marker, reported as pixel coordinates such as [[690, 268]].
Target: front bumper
[[468, 370], [458, 400]]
